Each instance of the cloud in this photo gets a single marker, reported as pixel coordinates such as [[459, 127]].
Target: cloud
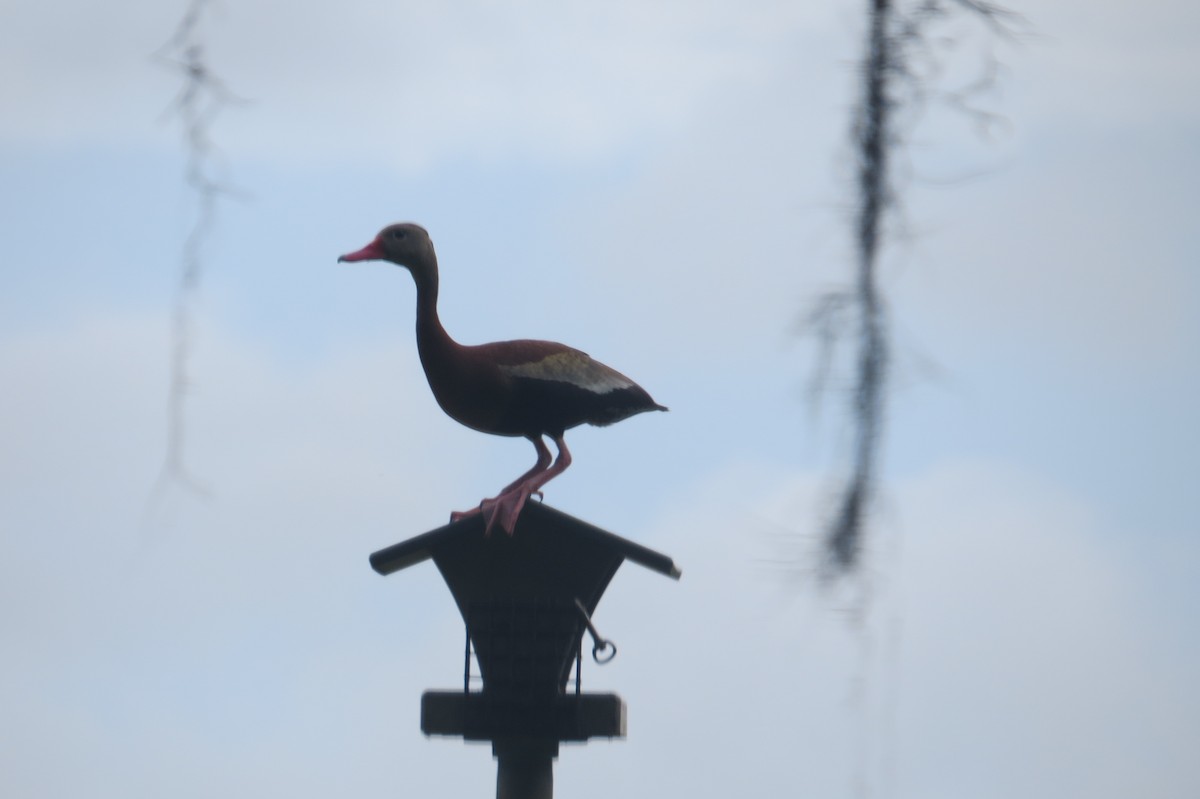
[[229, 631], [406, 85], [1054, 265], [416, 84], [1001, 649], [1009, 645], [1027, 659]]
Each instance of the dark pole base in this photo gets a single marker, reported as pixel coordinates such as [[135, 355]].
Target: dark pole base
[[525, 769]]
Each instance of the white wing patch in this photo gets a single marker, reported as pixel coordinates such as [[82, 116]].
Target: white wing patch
[[574, 368]]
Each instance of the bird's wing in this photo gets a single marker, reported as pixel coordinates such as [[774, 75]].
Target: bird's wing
[[566, 365]]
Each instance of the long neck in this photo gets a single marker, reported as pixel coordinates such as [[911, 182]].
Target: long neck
[[433, 342]]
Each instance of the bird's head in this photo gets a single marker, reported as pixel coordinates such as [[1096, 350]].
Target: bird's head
[[404, 243]]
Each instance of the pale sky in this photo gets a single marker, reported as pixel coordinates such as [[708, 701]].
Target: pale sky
[[665, 186]]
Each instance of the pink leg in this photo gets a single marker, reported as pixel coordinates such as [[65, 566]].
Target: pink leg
[[535, 482], [542, 462], [508, 505], [490, 505]]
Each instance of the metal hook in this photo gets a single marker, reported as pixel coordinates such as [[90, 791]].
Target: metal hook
[[601, 644]]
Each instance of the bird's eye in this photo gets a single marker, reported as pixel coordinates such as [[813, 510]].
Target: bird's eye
[[398, 234]]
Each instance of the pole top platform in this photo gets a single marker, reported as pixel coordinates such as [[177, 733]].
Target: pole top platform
[[525, 600], [537, 521]]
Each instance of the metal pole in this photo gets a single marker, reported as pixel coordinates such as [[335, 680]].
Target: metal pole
[[525, 768]]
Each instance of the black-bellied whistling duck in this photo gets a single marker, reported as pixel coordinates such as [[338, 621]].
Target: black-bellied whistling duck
[[508, 388]]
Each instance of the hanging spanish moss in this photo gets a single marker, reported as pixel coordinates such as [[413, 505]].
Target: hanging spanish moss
[[891, 82], [201, 98]]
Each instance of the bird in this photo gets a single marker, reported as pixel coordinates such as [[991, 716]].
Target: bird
[[523, 388]]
